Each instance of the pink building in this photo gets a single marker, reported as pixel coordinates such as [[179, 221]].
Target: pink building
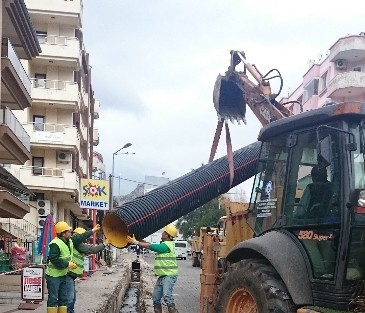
[[339, 77]]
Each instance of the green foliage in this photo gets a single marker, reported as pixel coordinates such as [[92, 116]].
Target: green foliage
[[206, 215]]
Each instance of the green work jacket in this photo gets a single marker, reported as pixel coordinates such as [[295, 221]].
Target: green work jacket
[[165, 263], [66, 254]]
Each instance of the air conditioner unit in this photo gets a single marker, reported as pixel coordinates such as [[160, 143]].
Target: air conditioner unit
[[41, 221], [43, 207], [63, 156], [341, 64]]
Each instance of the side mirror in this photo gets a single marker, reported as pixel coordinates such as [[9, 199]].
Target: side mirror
[[324, 152]]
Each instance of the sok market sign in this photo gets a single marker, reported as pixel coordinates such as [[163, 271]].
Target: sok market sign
[[94, 194]]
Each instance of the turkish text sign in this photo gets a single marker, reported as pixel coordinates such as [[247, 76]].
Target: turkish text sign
[[94, 194]]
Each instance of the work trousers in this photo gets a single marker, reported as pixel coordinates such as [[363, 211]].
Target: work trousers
[[71, 308], [163, 289], [60, 291]]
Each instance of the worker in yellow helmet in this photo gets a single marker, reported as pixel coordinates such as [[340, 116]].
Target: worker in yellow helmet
[[61, 286], [80, 251], [165, 266]]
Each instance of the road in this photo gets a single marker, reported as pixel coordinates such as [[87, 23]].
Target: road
[[187, 287]]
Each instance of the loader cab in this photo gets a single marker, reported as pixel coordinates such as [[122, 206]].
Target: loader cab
[[309, 186]]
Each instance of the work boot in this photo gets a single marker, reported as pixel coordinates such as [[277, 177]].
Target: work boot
[[171, 308], [157, 308], [62, 309], [51, 309]]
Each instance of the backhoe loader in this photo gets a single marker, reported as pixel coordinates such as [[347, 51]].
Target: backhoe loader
[[304, 255]]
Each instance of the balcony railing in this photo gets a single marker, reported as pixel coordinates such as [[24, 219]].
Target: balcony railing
[[8, 118], [19, 228], [51, 177], [346, 80], [61, 46], [49, 90], [64, 134], [7, 51], [61, 6]]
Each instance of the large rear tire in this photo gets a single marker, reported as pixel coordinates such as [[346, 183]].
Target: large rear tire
[[253, 286]]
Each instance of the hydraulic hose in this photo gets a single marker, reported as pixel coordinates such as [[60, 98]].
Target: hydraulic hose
[[163, 205]]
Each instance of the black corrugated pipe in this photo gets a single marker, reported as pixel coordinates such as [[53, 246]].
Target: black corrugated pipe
[[163, 205]]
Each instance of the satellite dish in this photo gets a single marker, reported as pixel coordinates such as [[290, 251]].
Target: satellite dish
[[310, 62]]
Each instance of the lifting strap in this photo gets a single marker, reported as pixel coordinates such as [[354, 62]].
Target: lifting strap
[[213, 150]]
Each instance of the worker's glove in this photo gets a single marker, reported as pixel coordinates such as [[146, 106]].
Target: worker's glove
[[96, 228], [72, 265], [132, 240], [107, 241]]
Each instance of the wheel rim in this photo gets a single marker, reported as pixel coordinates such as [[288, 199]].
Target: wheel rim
[[241, 301]]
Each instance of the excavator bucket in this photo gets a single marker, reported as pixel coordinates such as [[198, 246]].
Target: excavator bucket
[[229, 99]]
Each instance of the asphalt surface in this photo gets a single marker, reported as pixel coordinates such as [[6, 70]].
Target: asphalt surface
[[187, 287]]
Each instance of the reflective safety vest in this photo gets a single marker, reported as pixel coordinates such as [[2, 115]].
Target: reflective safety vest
[[78, 259], [66, 253], [165, 263]]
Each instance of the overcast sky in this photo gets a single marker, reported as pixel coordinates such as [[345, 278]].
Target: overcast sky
[[154, 64]]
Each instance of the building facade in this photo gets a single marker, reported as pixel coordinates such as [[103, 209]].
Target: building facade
[[339, 77], [19, 41], [60, 119]]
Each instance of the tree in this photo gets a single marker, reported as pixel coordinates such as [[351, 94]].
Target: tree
[[206, 215]]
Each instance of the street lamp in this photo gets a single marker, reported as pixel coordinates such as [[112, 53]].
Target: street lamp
[[111, 178]]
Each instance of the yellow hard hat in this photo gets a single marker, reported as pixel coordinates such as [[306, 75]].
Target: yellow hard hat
[[171, 230], [79, 230], [60, 227]]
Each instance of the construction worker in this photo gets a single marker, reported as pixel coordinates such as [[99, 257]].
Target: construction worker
[[165, 267], [61, 286], [80, 251]]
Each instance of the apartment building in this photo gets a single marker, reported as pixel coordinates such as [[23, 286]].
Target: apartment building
[[338, 77], [19, 41], [60, 120]]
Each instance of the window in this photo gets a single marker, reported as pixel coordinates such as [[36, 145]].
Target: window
[[37, 163], [38, 122], [42, 36], [323, 81], [357, 69], [267, 193], [40, 80], [311, 90], [312, 204]]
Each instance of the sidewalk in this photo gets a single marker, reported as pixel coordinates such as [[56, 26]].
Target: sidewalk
[[102, 292]]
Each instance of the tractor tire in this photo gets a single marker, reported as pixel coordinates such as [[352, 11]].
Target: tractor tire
[[253, 286]]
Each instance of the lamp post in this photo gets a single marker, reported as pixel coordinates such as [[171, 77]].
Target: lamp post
[[111, 177]]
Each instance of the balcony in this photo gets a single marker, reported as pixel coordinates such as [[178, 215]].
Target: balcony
[[96, 109], [60, 50], [57, 136], [11, 206], [347, 85], [54, 179], [16, 93], [19, 228], [68, 12], [14, 140], [95, 136], [98, 165], [351, 48], [17, 25], [59, 93]]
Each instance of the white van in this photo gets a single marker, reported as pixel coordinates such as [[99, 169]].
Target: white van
[[181, 249]]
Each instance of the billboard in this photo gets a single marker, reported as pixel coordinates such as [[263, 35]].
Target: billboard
[[94, 194]]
